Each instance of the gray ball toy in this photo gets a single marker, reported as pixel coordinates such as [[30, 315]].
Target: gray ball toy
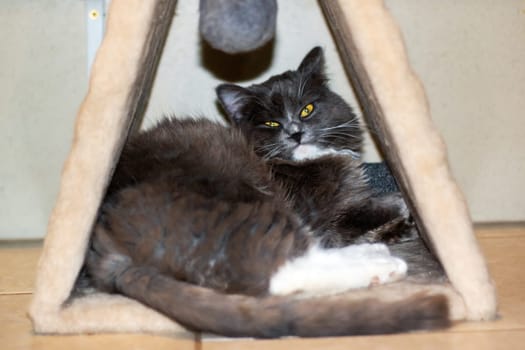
[[237, 26]]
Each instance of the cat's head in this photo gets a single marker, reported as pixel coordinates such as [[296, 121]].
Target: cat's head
[[294, 115]]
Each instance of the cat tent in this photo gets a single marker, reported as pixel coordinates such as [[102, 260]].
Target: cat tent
[[394, 106]]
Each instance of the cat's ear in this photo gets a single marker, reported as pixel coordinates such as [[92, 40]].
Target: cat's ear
[[313, 62], [232, 98]]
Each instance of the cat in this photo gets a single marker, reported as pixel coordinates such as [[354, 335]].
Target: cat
[[250, 230]]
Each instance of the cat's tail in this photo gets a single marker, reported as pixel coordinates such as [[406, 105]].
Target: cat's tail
[[206, 310]]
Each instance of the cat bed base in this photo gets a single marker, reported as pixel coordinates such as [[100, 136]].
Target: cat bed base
[[394, 105]]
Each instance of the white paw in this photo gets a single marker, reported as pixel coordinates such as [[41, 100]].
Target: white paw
[[383, 270], [377, 265], [329, 271]]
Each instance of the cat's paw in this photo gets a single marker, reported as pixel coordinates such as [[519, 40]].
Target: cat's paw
[[329, 271], [386, 270], [104, 270], [104, 263], [397, 201], [376, 265], [401, 228]]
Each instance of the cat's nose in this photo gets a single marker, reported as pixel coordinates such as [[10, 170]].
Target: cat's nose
[[296, 136]]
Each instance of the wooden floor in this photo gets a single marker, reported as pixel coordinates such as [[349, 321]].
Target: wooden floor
[[503, 245]]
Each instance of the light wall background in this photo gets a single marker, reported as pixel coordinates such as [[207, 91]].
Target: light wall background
[[469, 54]]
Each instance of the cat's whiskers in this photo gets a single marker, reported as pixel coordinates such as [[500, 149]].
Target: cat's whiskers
[[351, 124], [269, 146], [271, 154], [343, 131], [270, 150], [330, 140], [341, 135]]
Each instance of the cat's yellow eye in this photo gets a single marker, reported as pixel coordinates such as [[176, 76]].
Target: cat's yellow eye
[[272, 124], [305, 112]]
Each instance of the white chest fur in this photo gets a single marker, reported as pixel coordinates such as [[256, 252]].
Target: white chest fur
[[307, 152]]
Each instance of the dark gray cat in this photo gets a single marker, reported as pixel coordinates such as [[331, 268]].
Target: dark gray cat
[[216, 227]]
